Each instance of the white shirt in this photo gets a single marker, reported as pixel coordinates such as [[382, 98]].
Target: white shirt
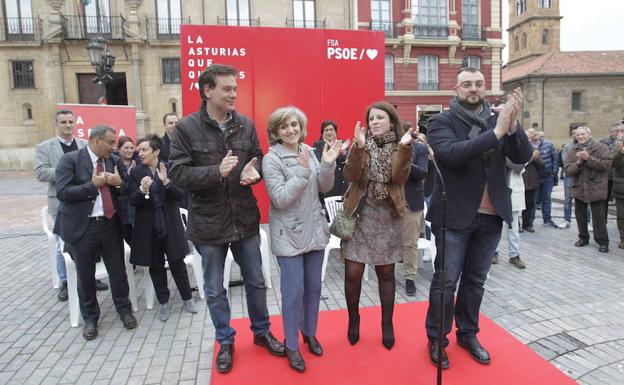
[[98, 207]]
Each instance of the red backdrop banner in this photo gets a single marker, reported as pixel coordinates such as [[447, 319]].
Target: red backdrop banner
[[328, 74], [87, 116]]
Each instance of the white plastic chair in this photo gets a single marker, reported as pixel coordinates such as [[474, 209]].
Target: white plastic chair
[[100, 273], [51, 247], [428, 245], [192, 259], [265, 251], [332, 205]]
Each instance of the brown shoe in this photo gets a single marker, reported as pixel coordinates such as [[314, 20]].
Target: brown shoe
[[621, 245]]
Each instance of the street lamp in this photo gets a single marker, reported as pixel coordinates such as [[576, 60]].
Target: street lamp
[[102, 60]]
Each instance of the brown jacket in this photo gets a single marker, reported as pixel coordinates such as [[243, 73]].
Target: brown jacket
[[589, 182], [358, 181], [531, 174]]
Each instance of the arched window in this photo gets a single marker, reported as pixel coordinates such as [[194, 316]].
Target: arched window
[[173, 105], [545, 37], [27, 112], [516, 43], [524, 40]]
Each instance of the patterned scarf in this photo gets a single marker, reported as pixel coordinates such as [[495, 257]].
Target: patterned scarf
[[378, 164], [478, 122]]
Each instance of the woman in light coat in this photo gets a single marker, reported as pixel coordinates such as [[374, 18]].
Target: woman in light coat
[[299, 232]]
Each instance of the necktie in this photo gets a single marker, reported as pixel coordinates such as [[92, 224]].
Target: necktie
[[107, 199]]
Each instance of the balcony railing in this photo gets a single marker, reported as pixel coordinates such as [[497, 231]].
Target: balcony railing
[[20, 29], [385, 26], [164, 29], [471, 32], [428, 86], [76, 27], [306, 23], [430, 31], [240, 22], [389, 86]]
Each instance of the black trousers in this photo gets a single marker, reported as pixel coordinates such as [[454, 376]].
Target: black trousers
[[529, 202], [599, 220], [158, 273], [103, 238]]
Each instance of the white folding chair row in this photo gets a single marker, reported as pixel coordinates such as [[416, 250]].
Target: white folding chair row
[[265, 251], [51, 243], [100, 273], [332, 205], [192, 259]]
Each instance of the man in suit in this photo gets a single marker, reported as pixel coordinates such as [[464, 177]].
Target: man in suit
[[47, 156], [169, 122], [87, 184], [471, 143]]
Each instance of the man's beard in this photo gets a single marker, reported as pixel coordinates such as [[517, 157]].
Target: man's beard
[[471, 105]]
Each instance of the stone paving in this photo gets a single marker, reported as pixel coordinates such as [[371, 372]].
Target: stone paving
[[568, 306]]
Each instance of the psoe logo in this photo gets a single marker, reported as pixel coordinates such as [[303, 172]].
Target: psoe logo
[[336, 52]]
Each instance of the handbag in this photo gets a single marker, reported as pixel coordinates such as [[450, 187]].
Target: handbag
[[343, 225]]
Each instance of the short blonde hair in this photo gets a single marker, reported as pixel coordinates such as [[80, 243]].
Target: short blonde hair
[[279, 116]]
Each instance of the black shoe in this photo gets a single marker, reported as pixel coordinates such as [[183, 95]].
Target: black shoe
[[472, 345], [225, 358], [387, 338], [313, 345], [410, 287], [528, 228], [272, 345], [353, 332], [433, 355], [100, 286], [62, 292], [295, 360], [581, 243], [128, 320], [90, 331], [603, 248]]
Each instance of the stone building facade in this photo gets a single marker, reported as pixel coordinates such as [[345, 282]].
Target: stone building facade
[[43, 54], [562, 89]]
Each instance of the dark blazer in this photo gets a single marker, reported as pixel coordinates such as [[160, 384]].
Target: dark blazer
[[176, 245], [166, 148], [469, 164], [77, 193], [414, 187]]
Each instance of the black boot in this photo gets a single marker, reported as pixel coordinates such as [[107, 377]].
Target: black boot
[[295, 360], [313, 345]]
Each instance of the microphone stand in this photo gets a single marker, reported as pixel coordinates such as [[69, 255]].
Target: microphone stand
[[442, 258], [441, 271]]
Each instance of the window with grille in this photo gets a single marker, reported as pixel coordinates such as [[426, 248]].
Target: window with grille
[[23, 74], [545, 3], [19, 17], [171, 70], [545, 37], [471, 61]]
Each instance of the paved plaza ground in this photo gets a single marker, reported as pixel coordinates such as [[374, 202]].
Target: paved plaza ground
[[568, 306]]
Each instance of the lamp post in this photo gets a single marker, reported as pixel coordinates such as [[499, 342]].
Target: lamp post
[[103, 61]]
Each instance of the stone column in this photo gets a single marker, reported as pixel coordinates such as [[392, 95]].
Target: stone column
[[133, 18]]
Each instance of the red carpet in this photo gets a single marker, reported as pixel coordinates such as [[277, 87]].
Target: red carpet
[[368, 362]]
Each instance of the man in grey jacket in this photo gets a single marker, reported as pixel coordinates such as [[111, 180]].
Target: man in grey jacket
[[47, 156]]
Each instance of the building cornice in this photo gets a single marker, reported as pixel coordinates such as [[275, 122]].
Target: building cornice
[[563, 76], [536, 17]]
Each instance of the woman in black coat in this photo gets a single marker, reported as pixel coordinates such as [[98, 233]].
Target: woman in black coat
[[329, 130], [158, 228]]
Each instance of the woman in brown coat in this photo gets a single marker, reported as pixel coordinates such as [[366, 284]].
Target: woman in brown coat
[[377, 167]]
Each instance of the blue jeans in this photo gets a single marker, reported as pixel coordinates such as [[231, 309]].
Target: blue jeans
[[61, 271], [567, 200], [544, 192], [300, 283], [469, 257], [247, 255]]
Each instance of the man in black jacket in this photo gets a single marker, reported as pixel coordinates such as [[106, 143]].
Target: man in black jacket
[[470, 142], [216, 158], [87, 185]]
